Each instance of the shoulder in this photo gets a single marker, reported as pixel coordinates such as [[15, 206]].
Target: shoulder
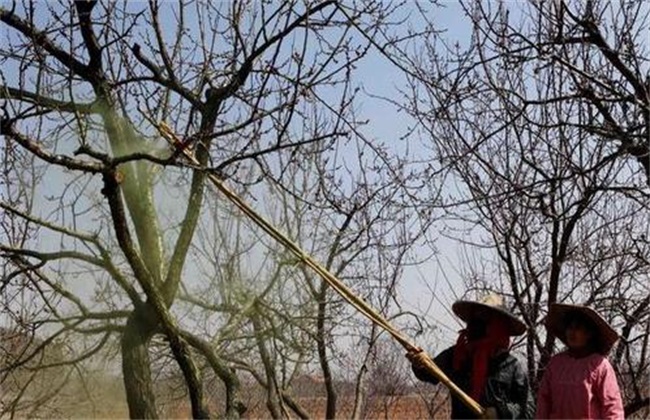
[[563, 355], [595, 362], [509, 365], [448, 352], [600, 360], [600, 364], [559, 359], [509, 359], [445, 355]]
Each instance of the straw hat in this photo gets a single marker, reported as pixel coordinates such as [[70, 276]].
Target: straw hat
[[556, 324], [490, 304]]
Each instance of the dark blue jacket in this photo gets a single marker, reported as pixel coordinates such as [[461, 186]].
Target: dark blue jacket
[[506, 388]]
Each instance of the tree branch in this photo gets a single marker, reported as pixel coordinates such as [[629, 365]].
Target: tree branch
[[39, 38], [84, 10], [7, 92], [167, 82], [7, 129]]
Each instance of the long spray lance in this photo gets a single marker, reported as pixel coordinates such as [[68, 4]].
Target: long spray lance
[[336, 284]]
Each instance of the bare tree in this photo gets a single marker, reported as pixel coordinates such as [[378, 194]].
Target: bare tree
[[542, 121], [101, 219]]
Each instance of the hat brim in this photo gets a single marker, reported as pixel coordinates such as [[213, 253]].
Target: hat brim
[[467, 310], [556, 325]]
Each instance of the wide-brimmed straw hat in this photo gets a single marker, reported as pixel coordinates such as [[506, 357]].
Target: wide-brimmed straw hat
[[490, 305], [556, 323]]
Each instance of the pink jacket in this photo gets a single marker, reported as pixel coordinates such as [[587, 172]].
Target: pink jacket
[[584, 388]]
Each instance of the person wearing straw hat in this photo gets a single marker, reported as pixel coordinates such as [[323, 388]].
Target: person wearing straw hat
[[480, 362], [579, 383]]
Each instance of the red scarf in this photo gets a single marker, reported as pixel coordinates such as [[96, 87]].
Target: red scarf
[[496, 340]]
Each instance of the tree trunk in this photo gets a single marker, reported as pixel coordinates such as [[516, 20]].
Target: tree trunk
[[321, 341], [273, 398], [359, 393], [136, 368]]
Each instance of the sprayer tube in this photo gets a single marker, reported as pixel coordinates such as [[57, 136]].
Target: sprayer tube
[[347, 294]]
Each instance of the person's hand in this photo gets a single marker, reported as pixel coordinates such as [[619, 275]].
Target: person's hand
[[417, 358], [490, 413]]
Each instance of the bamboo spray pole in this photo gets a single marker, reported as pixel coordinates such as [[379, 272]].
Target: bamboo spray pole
[[336, 284]]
